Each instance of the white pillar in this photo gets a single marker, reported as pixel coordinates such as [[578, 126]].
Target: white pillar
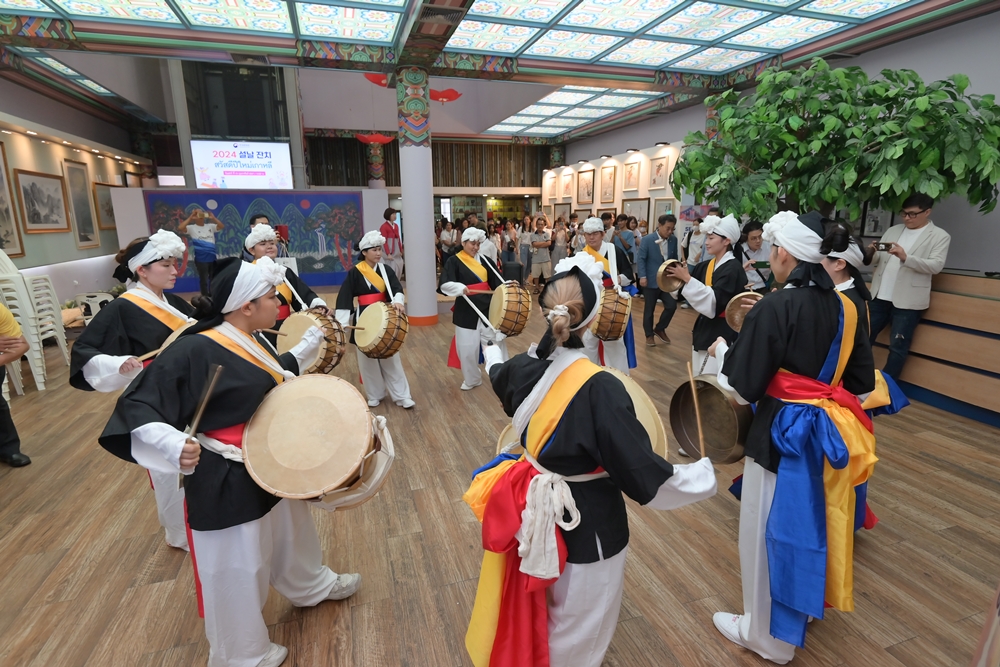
[[412, 97], [178, 94], [295, 136]]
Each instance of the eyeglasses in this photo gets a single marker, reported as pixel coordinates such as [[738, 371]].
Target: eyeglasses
[[909, 215]]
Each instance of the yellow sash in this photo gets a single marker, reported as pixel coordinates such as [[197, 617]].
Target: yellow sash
[[486, 610], [599, 257], [232, 346], [473, 264], [371, 275], [165, 317], [839, 484], [709, 272]]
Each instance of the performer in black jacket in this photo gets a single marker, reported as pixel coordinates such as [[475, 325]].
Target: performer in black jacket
[[372, 281], [242, 538], [464, 273], [104, 357]]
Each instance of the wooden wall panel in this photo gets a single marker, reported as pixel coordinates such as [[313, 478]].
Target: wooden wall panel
[[957, 383], [957, 347]]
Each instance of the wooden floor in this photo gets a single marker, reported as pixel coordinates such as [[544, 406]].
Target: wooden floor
[[86, 578]]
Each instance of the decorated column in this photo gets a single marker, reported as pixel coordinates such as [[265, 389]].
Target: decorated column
[[376, 167], [415, 169], [557, 156]]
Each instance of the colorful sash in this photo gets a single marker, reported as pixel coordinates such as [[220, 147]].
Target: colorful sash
[[599, 257], [371, 276], [473, 265], [509, 624], [242, 352], [165, 317], [369, 299], [709, 272], [822, 433]]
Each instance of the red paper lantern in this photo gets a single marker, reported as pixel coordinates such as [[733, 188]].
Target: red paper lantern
[[377, 79], [375, 138], [446, 95]]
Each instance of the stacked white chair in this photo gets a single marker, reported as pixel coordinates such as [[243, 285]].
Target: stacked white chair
[[48, 312], [93, 301], [15, 296]]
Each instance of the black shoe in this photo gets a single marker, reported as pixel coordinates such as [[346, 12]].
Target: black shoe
[[15, 460]]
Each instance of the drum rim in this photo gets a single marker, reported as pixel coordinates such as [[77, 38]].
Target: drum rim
[[661, 430], [247, 453]]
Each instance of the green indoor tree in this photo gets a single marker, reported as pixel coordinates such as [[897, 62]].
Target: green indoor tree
[[833, 139]]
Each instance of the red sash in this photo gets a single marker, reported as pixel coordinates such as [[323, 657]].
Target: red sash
[[230, 435], [794, 387], [146, 363], [369, 299], [479, 287], [284, 312], [608, 283]]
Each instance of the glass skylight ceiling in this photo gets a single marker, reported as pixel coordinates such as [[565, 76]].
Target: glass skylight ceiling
[[363, 21], [570, 107], [699, 36]]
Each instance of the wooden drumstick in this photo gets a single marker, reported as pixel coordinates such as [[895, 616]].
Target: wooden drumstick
[[274, 331], [697, 409], [150, 355], [213, 378]]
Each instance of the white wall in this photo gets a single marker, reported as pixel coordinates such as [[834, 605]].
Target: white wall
[[672, 127], [349, 101], [24, 103]]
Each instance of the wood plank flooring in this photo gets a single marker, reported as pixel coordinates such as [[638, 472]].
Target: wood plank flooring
[[87, 580]]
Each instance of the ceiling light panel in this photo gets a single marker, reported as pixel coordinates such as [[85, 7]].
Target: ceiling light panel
[[617, 101], [483, 36], [587, 112], [28, 7], [348, 24], [648, 52], [706, 21], [566, 44], [243, 15], [784, 31], [541, 110], [156, 11], [857, 9], [716, 59], [621, 15], [530, 11]]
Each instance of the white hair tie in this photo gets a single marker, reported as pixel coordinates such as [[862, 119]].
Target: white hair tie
[[558, 311]]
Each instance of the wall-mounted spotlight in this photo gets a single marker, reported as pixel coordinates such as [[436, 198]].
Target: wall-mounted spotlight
[[662, 143], [632, 150], [605, 157], [581, 161], [30, 132]]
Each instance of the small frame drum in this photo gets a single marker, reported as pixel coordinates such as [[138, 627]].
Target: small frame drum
[[665, 282], [381, 331], [612, 316], [313, 437], [645, 410], [510, 309], [735, 314], [331, 349], [725, 421]]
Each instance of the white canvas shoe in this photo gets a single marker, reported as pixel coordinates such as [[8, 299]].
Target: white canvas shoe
[[345, 586], [406, 403], [729, 625], [466, 387], [372, 403], [275, 656]]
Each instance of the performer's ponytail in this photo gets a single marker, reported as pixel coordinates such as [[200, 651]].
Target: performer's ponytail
[[563, 305]]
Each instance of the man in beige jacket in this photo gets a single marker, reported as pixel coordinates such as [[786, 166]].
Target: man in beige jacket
[[901, 286]]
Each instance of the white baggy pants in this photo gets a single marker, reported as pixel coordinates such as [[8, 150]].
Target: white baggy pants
[[235, 566], [755, 506], [170, 507], [615, 355], [583, 611], [381, 375], [468, 343]]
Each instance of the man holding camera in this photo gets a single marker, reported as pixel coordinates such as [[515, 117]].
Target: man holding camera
[[906, 258]]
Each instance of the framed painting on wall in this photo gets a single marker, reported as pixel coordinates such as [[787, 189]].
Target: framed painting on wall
[[81, 205], [631, 170], [133, 180], [583, 214], [105, 209], [560, 210], [550, 189], [657, 173], [876, 221], [547, 210], [42, 200], [602, 211], [585, 187], [10, 231], [637, 207], [662, 207], [608, 184], [567, 184]]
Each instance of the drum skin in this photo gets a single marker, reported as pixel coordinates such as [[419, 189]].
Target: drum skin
[[381, 331], [510, 309], [308, 437], [724, 421], [612, 315], [331, 349]]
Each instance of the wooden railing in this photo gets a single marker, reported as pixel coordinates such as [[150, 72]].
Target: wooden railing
[[956, 363]]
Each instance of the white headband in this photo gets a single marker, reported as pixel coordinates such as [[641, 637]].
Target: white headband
[[591, 225], [161, 245], [254, 281], [473, 234], [260, 233], [588, 266], [371, 240], [726, 226], [785, 230], [852, 255]]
